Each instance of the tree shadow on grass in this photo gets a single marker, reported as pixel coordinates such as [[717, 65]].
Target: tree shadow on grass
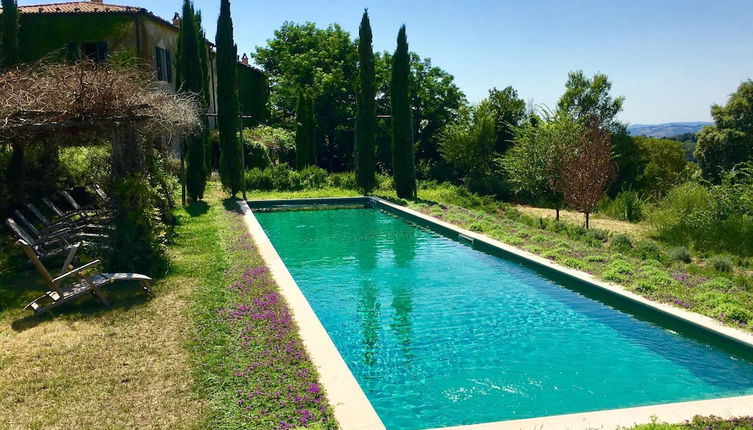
[[197, 209], [122, 296], [231, 205]]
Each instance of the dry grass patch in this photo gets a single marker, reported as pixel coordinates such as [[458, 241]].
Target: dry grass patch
[[596, 221]]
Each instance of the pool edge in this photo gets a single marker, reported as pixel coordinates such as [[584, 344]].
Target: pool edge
[[607, 419], [352, 408]]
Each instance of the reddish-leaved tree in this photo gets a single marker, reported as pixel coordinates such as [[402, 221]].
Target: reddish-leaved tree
[[590, 169]]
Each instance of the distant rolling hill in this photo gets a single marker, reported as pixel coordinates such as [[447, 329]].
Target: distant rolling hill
[[666, 130]]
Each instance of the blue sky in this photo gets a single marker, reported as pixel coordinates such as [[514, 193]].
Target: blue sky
[[671, 59]]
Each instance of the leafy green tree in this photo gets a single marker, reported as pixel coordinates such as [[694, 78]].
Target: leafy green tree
[[436, 101], [586, 98], [730, 141], [325, 61], [403, 161], [469, 146], [9, 54], [662, 165], [366, 121], [509, 112], [228, 108], [192, 81], [535, 163], [280, 143]]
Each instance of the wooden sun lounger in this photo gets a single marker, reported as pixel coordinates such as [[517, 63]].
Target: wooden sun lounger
[[50, 246], [64, 222], [89, 209], [74, 284]]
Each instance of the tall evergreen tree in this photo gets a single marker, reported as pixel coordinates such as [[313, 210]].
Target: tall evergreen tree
[[231, 171], [301, 150], [305, 133], [204, 57], [403, 162], [9, 55], [311, 129], [192, 81], [366, 121]]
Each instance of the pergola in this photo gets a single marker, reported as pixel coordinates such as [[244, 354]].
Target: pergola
[[57, 104]]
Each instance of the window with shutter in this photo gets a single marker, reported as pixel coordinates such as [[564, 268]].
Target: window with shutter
[[169, 65], [158, 56]]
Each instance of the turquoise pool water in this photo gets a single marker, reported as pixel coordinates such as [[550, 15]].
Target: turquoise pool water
[[438, 334]]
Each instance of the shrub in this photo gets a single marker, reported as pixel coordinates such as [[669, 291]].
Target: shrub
[[621, 242], [598, 234], [648, 250], [557, 226], [626, 206], [680, 253], [618, 271], [718, 218], [85, 166], [576, 231], [343, 180], [720, 263], [724, 306], [596, 258], [282, 178], [718, 284], [576, 263]]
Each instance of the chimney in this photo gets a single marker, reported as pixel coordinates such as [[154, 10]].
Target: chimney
[[97, 1], [244, 60], [176, 19]]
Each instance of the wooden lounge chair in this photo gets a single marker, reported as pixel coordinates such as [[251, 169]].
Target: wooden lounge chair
[[69, 221], [74, 284], [97, 212], [88, 232], [46, 247]]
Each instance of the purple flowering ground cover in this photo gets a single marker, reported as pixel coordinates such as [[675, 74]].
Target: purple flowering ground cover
[[251, 362]]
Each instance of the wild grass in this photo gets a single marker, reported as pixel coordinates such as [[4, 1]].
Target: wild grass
[[702, 423]]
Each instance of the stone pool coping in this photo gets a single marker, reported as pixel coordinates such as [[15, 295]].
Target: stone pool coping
[[353, 409]]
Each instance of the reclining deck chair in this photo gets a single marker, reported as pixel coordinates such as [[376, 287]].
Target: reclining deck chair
[[90, 209], [46, 247], [81, 225], [74, 284]]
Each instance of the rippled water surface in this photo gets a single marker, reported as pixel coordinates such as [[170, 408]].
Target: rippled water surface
[[438, 334]]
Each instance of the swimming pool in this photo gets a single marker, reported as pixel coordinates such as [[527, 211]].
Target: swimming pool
[[440, 334]]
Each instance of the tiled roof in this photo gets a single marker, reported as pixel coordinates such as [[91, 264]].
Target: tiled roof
[[78, 7]]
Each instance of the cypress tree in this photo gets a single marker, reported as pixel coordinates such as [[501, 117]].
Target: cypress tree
[[9, 54], [305, 139], [301, 150], [192, 81], [204, 57], [403, 164], [231, 172], [365, 153], [311, 129]]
